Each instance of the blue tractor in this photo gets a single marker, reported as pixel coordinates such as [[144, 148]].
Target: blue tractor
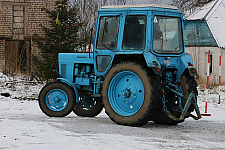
[[138, 70]]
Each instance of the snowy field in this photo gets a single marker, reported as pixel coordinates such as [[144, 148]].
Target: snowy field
[[24, 127]]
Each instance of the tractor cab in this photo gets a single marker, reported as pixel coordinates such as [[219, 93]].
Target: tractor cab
[[153, 33]]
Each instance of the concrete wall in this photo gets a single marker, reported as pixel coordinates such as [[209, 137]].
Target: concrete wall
[[199, 56]]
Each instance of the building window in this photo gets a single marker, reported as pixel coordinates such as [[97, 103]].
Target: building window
[[197, 30], [18, 22], [210, 64]]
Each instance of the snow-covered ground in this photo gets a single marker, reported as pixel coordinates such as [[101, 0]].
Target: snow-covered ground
[[23, 126]]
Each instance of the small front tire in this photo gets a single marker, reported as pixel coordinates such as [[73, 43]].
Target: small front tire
[[56, 99], [88, 107]]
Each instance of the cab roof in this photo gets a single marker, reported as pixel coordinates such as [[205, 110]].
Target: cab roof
[[139, 6]]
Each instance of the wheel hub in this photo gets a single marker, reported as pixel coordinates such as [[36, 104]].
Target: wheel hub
[[126, 93], [86, 102], [129, 94], [56, 99]]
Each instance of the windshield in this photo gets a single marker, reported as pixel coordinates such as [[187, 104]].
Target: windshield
[[167, 35]]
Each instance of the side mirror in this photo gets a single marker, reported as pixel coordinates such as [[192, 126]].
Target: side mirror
[[53, 66]]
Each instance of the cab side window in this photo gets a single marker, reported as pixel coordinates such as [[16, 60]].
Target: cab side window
[[108, 32], [134, 32]]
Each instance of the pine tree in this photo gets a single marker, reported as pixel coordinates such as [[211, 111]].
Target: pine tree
[[61, 37]]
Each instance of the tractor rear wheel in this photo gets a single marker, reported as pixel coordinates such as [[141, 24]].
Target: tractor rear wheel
[[88, 107], [130, 94], [56, 99], [188, 84]]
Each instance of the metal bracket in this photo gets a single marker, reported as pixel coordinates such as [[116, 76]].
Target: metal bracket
[[168, 86], [191, 100]]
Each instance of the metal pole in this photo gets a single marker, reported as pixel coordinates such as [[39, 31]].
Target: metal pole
[[219, 77], [207, 84]]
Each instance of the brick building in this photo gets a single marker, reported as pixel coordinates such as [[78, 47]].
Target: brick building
[[19, 25]]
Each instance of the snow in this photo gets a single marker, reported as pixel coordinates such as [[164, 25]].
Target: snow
[[24, 126]]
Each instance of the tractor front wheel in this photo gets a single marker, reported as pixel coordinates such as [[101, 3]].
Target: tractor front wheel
[[88, 106], [56, 99]]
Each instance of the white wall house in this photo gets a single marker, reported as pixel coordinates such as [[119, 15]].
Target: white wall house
[[204, 30]]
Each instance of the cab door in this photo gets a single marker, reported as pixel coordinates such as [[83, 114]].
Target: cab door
[[106, 41]]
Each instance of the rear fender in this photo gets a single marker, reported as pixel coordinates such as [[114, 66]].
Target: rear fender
[[187, 63], [153, 63], [192, 71]]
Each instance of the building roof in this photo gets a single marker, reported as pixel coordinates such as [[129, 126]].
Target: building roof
[[214, 15], [139, 5]]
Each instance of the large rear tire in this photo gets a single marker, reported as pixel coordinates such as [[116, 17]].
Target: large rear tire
[[88, 107], [188, 84], [56, 99], [130, 94]]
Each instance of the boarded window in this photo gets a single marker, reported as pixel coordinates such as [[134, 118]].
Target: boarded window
[[17, 58], [18, 22]]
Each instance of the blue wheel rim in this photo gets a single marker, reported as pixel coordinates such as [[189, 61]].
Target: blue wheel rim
[[56, 100], [126, 93]]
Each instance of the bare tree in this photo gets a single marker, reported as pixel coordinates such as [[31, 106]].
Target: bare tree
[[118, 2], [87, 10], [150, 2], [189, 5]]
